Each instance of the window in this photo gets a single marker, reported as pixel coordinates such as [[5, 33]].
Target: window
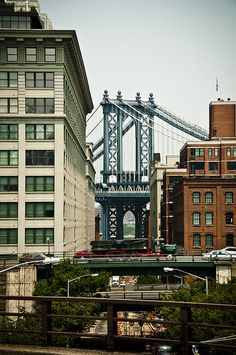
[[8, 236], [8, 131], [8, 105], [234, 151], [8, 183], [8, 80], [209, 240], [50, 54], [196, 218], [196, 166], [12, 54], [208, 197], [196, 197], [231, 165], [198, 152], [209, 152], [216, 152], [8, 157], [23, 22], [39, 105], [196, 240], [31, 55], [39, 209], [213, 166], [228, 152], [229, 218], [39, 131], [8, 210], [229, 197], [209, 218], [39, 236], [39, 183], [39, 80], [39, 157], [229, 240]]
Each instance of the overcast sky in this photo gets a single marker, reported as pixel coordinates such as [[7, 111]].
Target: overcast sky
[[172, 48]]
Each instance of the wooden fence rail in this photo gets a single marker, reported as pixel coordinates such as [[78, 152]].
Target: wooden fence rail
[[133, 311]]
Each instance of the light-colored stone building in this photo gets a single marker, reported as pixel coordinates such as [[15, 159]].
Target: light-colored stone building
[[156, 178], [44, 100]]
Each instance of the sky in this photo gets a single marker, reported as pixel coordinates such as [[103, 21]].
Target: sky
[[173, 48]]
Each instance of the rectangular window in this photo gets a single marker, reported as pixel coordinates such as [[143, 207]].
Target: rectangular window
[[8, 183], [209, 218], [196, 240], [39, 183], [8, 105], [213, 166], [196, 166], [229, 218], [196, 218], [229, 197], [39, 105], [23, 22], [216, 152], [196, 197], [50, 54], [8, 236], [231, 165], [208, 197], [39, 80], [209, 152], [229, 240], [31, 55], [209, 240], [8, 210], [8, 131], [40, 131], [8, 80], [228, 152], [39, 157], [12, 55], [39, 209], [234, 151], [39, 236], [8, 157]]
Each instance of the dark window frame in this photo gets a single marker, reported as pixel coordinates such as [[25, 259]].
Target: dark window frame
[[8, 80], [10, 108], [36, 82], [10, 234], [45, 235], [35, 184], [46, 133], [39, 157], [9, 212], [11, 184], [9, 133], [40, 105], [47, 213]]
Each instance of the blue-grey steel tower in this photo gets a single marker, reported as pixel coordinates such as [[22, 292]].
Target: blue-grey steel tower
[[128, 192]]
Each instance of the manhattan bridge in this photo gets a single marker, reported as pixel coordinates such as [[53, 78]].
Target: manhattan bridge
[[129, 129]]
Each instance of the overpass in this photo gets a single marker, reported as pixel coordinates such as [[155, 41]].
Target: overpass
[[149, 265]]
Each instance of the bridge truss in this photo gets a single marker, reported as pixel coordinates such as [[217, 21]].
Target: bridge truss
[[121, 190]]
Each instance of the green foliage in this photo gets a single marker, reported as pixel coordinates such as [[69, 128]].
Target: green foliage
[[64, 271], [57, 286], [218, 293], [148, 280]]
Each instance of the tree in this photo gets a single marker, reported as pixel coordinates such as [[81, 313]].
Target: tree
[[84, 287], [195, 292]]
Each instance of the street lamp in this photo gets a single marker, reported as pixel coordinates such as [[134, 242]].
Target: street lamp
[[77, 278], [169, 269]]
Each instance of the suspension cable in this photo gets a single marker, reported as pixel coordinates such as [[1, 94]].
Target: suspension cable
[[94, 128], [93, 113], [137, 119]]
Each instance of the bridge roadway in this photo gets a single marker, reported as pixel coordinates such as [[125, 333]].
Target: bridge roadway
[[124, 265]]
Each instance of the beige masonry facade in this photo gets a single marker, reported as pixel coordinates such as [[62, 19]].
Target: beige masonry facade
[[42, 144]]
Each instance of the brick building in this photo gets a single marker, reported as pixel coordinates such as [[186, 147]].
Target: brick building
[[204, 207]]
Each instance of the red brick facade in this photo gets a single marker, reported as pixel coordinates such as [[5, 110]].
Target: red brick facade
[[204, 201]]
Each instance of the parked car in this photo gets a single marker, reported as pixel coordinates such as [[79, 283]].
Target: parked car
[[218, 255], [230, 250], [31, 257]]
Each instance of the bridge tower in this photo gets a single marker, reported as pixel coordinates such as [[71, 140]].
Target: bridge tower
[[121, 190]]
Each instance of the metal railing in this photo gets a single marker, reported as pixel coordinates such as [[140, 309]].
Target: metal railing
[[115, 312]]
